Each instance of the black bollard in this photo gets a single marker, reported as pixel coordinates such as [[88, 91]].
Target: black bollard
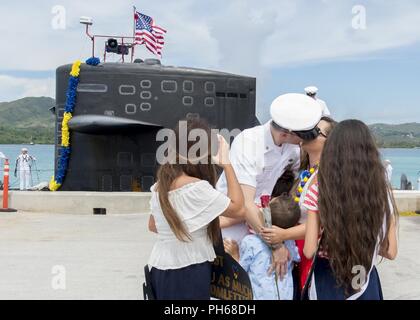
[[404, 182], [99, 210]]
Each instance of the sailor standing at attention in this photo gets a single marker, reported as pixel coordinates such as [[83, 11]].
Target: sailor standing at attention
[[24, 161], [261, 154], [311, 92], [388, 170]]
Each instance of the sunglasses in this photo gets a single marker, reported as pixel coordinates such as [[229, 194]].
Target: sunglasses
[[307, 135]]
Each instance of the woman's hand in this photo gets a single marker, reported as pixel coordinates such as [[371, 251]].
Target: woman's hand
[[222, 157], [232, 248], [281, 257], [273, 235]]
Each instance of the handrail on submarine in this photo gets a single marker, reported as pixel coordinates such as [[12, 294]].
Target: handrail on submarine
[[92, 37]]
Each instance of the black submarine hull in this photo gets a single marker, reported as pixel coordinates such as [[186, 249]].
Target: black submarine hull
[[120, 107]]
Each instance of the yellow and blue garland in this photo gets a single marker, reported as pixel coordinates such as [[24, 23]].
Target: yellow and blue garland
[[64, 152], [304, 178]]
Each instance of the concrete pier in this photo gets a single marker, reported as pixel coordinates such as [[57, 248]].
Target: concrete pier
[[407, 200], [126, 202], [102, 257], [82, 202], [79, 256]]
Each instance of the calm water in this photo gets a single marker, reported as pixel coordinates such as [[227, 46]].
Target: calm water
[[403, 161]]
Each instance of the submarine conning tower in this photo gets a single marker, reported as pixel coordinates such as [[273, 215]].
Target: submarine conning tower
[[121, 106]]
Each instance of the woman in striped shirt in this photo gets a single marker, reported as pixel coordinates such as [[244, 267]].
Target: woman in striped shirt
[[353, 211]]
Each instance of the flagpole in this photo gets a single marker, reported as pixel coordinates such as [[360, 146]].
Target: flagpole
[[134, 34]]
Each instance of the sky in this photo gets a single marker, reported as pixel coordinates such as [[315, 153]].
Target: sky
[[364, 56]]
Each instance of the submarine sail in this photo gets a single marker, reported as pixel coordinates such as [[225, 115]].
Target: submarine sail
[[120, 107]]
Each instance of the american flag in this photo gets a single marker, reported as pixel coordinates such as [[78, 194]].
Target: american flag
[[149, 34]]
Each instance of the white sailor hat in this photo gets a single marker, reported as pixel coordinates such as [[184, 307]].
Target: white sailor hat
[[24, 149], [311, 90], [295, 112]]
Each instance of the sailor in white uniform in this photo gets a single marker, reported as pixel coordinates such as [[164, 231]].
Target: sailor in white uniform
[[24, 162], [311, 92], [388, 169], [261, 154]]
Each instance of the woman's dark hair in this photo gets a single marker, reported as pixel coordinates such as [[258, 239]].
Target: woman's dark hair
[[354, 200], [304, 157], [169, 172]]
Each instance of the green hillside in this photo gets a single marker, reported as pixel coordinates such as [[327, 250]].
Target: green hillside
[[405, 135], [29, 117], [26, 119]]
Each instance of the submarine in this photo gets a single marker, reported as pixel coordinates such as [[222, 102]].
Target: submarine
[[121, 106]]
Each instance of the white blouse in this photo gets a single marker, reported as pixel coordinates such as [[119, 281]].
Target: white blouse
[[197, 204]]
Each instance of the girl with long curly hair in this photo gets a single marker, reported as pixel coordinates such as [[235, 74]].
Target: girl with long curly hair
[[352, 217]]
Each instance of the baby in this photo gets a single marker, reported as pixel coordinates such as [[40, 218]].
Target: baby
[[255, 256]]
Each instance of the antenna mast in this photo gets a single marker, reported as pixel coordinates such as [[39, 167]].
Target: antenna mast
[[115, 43]]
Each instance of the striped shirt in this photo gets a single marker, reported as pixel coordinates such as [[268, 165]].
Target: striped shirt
[[311, 198]]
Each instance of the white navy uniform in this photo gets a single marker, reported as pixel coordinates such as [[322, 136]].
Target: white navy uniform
[[312, 90], [24, 163], [258, 161], [325, 111], [388, 170]]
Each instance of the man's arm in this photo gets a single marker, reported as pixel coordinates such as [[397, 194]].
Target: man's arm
[[253, 213], [245, 171]]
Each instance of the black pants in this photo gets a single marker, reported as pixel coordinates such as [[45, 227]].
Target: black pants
[[296, 282], [189, 283], [327, 289]]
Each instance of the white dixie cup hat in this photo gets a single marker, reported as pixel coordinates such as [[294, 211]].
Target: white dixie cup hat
[[311, 90], [295, 112]]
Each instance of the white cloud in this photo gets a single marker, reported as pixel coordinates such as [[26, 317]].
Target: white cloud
[[323, 31], [15, 88], [44, 48], [240, 35]]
